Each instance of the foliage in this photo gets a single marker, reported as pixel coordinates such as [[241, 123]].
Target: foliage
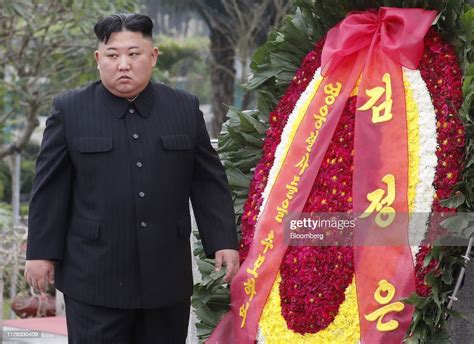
[[6, 309], [173, 50], [208, 294], [6, 253], [182, 64], [274, 65], [47, 47], [10, 250], [430, 316], [27, 172]]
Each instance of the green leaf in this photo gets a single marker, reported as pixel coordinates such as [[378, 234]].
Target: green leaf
[[467, 22], [456, 314], [416, 300], [205, 266], [427, 260], [247, 121], [237, 178], [259, 79], [252, 140], [206, 316], [236, 136], [468, 232], [432, 281], [453, 201], [455, 224], [203, 331], [239, 205], [447, 276]]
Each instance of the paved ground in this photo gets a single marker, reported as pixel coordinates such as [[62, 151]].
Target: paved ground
[[462, 330]]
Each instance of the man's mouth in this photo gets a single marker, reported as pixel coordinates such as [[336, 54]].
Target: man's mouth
[[124, 77]]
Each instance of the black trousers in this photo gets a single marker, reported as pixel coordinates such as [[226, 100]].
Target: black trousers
[[89, 324]]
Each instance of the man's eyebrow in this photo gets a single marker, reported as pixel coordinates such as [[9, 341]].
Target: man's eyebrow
[[132, 47]]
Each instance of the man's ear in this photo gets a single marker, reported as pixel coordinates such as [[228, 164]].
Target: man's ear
[[155, 53], [96, 55]]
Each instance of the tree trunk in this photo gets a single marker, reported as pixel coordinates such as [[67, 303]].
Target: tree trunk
[[222, 78]]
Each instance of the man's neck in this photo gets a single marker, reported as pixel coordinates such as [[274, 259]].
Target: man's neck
[[133, 98]]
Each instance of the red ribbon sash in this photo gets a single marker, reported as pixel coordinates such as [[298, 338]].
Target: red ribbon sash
[[376, 44]]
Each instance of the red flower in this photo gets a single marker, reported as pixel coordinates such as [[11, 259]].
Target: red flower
[[442, 75]]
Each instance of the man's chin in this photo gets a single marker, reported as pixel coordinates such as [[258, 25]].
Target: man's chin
[[126, 91]]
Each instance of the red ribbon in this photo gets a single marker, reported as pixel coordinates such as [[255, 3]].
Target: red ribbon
[[397, 32], [392, 38], [372, 43]]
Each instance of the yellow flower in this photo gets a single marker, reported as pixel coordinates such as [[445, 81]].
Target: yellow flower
[[343, 330]]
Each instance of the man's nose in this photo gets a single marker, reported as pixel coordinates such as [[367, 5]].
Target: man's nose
[[123, 63]]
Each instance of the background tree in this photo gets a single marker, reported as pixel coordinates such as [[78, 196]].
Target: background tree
[[236, 28], [46, 47], [182, 64], [174, 18]]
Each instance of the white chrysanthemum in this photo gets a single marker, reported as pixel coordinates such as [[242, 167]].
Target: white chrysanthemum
[[425, 191]]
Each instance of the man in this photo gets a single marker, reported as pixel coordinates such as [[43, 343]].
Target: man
[[109, 214]]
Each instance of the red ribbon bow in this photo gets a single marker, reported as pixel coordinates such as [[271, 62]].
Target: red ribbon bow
[[398, 32]]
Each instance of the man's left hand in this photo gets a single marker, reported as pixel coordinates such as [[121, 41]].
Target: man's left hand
[[229, 258]]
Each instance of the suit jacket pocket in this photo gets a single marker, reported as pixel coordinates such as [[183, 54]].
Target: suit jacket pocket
[[95, 144], [87, 229], [176, 142]]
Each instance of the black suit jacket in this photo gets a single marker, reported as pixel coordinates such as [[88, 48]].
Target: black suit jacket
[[110, 200]]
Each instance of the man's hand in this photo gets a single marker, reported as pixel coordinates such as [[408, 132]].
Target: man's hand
[[229, 258], [38, 273]]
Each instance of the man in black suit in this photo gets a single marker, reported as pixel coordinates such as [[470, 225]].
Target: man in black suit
[[109, 215]]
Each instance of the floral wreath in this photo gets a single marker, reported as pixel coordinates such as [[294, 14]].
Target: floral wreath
[[313, 298]]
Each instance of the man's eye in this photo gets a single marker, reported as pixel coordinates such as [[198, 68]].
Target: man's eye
[[134, 54], [112, 56]]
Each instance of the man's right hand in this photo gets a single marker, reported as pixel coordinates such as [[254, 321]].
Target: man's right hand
[[38, 273]]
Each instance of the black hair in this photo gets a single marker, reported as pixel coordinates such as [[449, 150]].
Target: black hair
[[123, 22]]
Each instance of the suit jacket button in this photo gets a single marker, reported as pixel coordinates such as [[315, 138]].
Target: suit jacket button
[[139, 164], [131, 110], [135, 136], [141, 194], [143, 224]]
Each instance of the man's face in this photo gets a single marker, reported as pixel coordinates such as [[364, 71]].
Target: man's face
[[125, 63]]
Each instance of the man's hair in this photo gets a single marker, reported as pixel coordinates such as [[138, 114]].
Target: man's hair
[[123, 22]]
